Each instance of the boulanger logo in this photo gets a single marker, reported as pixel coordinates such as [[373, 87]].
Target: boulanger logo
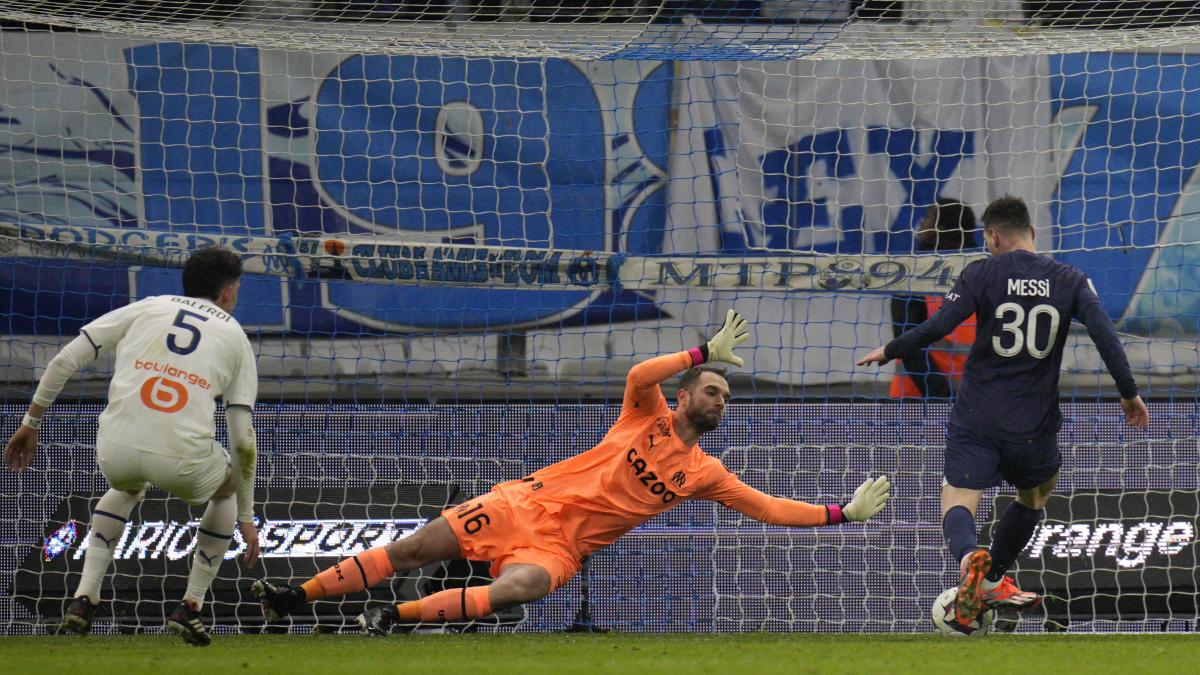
[[164, 395], [1130, 544]]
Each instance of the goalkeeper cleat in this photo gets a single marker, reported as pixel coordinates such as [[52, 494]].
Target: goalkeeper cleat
[[1008, 595], [78, 617], [968, 602], [186, 622], [277, 601], [378, 621]]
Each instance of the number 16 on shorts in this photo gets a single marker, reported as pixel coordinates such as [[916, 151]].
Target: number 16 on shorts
[[473, 516]]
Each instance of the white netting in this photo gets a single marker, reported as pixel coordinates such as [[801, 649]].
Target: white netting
[[1110, 554], [775, 29], [511, 203]]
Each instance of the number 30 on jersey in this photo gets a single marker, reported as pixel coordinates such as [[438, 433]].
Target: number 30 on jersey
[[1024, 330]]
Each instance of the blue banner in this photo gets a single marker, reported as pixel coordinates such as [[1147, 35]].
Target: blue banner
[[435, 151], [545, 154], [1134, 120]]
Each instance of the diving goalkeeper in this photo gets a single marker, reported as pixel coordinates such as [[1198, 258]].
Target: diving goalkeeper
[[534, 531]]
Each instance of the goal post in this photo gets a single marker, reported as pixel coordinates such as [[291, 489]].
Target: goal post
[[463, 221]]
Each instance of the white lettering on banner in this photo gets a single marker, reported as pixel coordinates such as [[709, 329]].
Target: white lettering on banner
[[175, 540], [925, 274], [502, 267], [1130, 544]]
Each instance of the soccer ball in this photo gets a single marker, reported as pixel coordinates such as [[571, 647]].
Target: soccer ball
[[943, 618]]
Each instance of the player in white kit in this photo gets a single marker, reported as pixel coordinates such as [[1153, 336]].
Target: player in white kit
[[175, 354]]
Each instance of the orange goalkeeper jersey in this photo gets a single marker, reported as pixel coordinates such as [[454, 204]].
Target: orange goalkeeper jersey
[[641, 469]]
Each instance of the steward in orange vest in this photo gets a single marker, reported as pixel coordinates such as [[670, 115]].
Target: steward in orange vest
[[948, 225]]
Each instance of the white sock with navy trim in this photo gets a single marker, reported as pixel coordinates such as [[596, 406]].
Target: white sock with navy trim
[[108, 524], [212, 541]]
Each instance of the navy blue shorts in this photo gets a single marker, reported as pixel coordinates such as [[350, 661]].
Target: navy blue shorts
[[977, 462]]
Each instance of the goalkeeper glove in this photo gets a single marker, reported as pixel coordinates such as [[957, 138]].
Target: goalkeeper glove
[[869, 499], [732, 334]]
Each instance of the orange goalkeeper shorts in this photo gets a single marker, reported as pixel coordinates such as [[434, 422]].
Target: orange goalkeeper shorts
[[491, 527]]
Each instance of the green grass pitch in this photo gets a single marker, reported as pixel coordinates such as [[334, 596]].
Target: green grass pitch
[[641, 654]]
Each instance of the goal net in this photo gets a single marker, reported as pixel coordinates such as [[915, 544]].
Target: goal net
[[463, 221]]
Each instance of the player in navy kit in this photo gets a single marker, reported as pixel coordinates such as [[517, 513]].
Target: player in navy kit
[[1005, 420]]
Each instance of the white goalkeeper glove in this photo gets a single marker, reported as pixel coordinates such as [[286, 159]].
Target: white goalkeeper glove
[[732, 334], [869, 499]]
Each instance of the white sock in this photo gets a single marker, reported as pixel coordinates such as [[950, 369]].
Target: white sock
[[109, 517], [212, 541], [988, 584]]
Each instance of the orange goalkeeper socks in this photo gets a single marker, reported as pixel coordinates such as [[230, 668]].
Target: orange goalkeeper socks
[[454, 604], [351, 575]]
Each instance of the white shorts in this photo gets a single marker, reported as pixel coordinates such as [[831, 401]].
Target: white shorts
[[193, 479]]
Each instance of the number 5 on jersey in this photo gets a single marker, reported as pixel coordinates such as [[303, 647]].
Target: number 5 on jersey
[[163, 394], [192, 338]]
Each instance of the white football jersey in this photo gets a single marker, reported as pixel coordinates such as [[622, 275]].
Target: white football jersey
[[174, 356]]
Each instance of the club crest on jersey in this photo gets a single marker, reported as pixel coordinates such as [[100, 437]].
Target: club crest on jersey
[[678, 479], [663, 427]]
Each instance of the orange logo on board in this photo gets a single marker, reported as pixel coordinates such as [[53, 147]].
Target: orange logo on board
[[163, 395]]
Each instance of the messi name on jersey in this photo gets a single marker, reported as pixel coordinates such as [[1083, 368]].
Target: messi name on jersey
[[1038, 288]]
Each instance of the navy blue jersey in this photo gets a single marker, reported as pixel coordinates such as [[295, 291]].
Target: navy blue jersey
[[1024, 303]]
